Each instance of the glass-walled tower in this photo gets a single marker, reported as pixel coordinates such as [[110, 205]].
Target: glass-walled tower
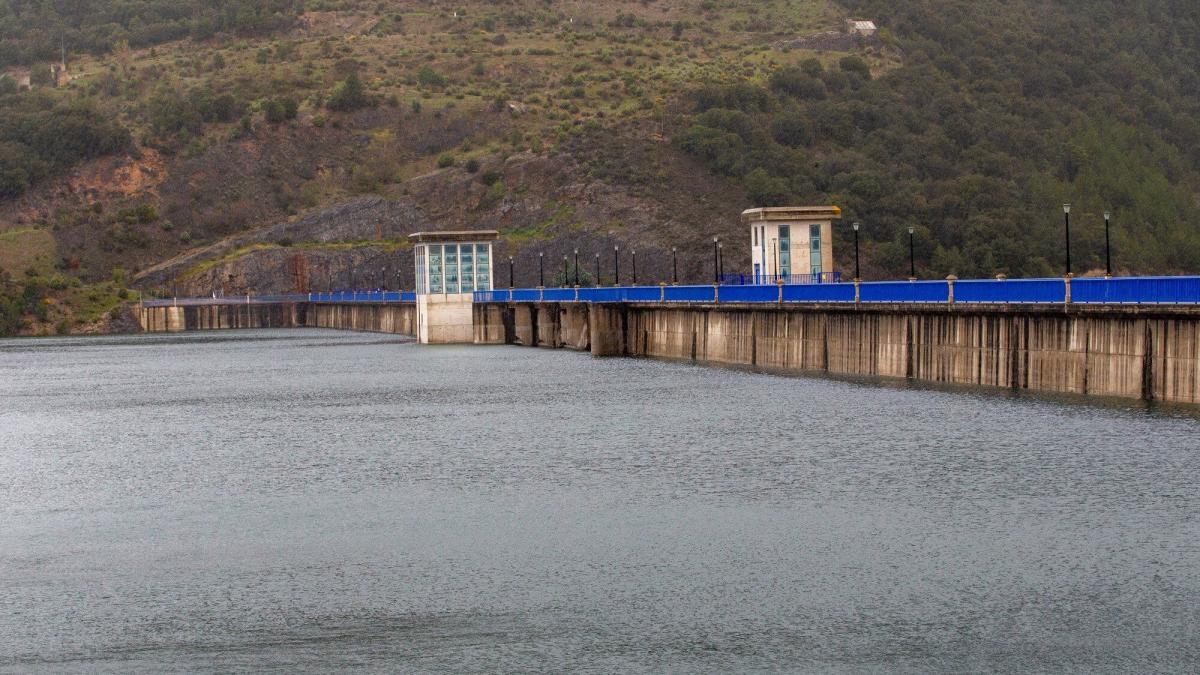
[[451, 266]]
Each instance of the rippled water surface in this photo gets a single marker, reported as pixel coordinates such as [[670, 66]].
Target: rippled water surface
[[321, 501]]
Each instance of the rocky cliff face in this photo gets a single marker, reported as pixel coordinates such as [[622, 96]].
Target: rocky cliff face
[[551, 204]]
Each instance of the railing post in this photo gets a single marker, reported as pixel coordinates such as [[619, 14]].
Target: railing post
[[662, 291], [950, 285], [1067, 284]]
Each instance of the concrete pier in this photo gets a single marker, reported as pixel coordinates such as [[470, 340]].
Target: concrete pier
[[1131, 352]]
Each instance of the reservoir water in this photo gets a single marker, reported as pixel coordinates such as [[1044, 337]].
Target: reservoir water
[[314, 501]]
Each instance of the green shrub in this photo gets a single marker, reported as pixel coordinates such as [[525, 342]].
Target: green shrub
[[428, 77], [445, 161]]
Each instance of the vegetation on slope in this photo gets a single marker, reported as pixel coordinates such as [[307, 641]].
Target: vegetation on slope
[[1000, 113], [33, 30]]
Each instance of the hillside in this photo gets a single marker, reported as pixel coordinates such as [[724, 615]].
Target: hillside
[[272, 146]]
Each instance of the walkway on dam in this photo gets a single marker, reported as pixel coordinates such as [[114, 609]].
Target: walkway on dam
[[1090, 290]]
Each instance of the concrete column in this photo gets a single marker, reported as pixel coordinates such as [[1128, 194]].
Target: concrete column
[[606, 324]]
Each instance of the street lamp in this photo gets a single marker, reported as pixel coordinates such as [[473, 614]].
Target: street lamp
[[1067, 231], [856, 226], [510, 272], [541, 271], [674, 266], [720, 261], [716, 260], [616, 265], [1107, 250], [634, 254], [912, 260], [564, 276], [597, 269], [576, 267]]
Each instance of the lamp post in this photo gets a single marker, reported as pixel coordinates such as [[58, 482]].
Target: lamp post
[[1107, 250], [1067, 232], [856, 226], [616, 265], [564, 276], [720, 261], [510, 272], [775, 251], [541, 270], [716, 256], [634, 255], [597, 269], [912, 259], [674, 266], [576, 267]]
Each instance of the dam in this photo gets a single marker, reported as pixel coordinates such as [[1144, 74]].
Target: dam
[[1110, 339]]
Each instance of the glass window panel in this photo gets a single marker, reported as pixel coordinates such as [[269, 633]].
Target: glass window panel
[[814, 254], [483, 270], [422, 287], [435, 269], [466, 264], [785, 250], [452, 268]]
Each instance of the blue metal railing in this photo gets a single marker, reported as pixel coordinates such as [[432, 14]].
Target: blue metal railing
[[688, 293], [758, 293], [764, 279], [1137, 290], [362, 296], [1126, 290], [1011, 291], [905, 291], [819, 293], [1129, 290]]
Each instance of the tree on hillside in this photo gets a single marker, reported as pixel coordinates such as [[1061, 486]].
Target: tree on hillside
[[349, 94]]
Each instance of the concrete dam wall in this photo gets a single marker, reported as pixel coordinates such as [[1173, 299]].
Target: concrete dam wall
[[1124, 351], [389, 318], [1132, 352], [220, 317], [395, 318]]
